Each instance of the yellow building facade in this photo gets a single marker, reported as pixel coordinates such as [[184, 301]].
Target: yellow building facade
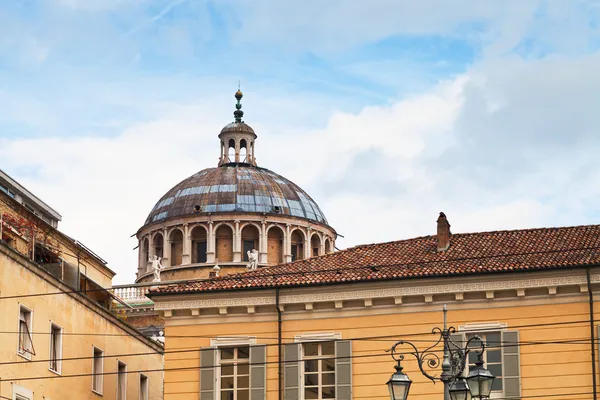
[[60, 337], [320, 328]]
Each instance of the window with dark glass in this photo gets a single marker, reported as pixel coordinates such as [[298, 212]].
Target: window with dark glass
[[319, 370], [55, 348], [201, 252], [248, 246], [235, 373], [25, 340]]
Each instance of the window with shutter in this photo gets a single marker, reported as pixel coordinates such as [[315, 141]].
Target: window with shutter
[[207, 373], [291, 371], [501, 358], [258, 372]]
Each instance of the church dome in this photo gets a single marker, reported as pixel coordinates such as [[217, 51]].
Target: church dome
[[236, 188], [231, 218]]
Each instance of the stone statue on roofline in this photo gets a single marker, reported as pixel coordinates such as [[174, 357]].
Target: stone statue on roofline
[[156, 267], [253, 260]]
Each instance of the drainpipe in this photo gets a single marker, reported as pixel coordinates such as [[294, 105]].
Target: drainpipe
[[592, 335], [279, 363]]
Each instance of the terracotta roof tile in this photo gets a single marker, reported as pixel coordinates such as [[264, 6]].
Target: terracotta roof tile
[[470, 253]]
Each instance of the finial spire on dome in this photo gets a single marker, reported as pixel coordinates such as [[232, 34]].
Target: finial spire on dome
[[238, 113]]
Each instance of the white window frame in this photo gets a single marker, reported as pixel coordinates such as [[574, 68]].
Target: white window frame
[[121, 383], [235, 375], [25, 354], [314, 337], [21, 393], [98, 375], [58, 351], [484, 328], [228, 341], [144, 385]]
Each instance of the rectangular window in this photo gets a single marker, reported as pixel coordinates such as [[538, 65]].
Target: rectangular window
[[492, 357], [121, 381], [248, 246], [25, 328], [315, 251], [319, 370], [98, 371], [143, 387], [55, 348], [20, 393], [235, 373], [201, 252]]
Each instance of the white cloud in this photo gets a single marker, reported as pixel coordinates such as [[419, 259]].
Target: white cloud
[[506, 145]]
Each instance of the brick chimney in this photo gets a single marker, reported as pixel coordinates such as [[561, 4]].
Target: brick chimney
[[443, 233]]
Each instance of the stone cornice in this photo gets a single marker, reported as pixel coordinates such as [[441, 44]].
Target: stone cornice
[[385, 290]]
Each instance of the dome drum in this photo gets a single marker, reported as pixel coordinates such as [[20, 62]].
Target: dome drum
[[192, 249]]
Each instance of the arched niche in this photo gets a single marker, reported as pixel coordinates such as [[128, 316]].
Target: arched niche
[[176, 240], [275, 245], [297, 245], [158, 243], [328, 247], [224, 243], [199, 244], [145, 251], [250, 236], [231, 150], [243, 151], [315, 245]]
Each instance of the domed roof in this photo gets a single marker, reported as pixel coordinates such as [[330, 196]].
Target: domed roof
[[238, 127], [235, 188]]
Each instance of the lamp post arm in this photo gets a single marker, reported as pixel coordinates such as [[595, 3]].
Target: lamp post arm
[[424, 358]]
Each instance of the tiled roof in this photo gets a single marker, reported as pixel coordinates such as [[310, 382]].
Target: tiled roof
[[471, 253]]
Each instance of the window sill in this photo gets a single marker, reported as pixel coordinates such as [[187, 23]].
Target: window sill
[[26, 356], [59, 373], [97, 393]]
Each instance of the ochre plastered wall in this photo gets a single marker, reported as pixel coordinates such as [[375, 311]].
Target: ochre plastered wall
[[540, 364], [75, 317]]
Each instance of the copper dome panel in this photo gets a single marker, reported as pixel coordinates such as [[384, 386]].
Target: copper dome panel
[[236, 188]]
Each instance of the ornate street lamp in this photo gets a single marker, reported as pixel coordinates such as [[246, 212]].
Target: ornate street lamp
[[399, 384], [459, 390], [478, 384], [480, 380]]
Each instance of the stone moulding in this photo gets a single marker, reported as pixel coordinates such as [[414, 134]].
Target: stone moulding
[[397, 293]]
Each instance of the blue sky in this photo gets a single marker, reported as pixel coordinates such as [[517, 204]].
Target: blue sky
[[385, 111]]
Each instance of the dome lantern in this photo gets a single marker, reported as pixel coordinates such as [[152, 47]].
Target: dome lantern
[[237, 138]]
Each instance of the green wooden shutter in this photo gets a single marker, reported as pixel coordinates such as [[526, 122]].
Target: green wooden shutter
[[258, 372], [511, 365], [291, 371], [208, 360], [343, 370]]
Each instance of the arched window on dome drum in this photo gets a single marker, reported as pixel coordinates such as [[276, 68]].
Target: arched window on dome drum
[[145, 253], [315, 245], [158, 245], [297, 241], [176, 239], [243, 151], [224, 244], [327, 246], [199, 245], [231, 151], [275, 246], [250, 237]]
